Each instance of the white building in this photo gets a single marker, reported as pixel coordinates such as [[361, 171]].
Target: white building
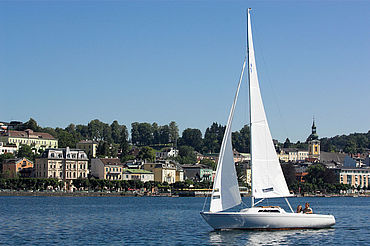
[[7, 148], [166, 153], [138, 174], [64, 164], [293, 155]]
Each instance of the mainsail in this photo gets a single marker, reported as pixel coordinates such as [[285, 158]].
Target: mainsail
[[225, 192], [267, 177]]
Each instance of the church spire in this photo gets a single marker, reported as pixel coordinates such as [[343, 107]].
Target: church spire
[[313, 125]]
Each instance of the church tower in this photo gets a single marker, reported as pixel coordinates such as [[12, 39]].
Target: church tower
[[313, 144]]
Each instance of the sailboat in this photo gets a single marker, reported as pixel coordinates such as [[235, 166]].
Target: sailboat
[[267, 177]]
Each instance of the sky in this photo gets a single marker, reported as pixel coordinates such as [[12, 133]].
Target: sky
[[65, 62]]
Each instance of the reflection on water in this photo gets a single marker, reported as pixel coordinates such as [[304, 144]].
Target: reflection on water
[[289, 237]]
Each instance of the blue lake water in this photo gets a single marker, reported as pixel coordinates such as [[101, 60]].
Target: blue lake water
[[163, 221]]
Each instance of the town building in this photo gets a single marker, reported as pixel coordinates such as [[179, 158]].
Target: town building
[[241, 157], [37, 140], [138, 174], [357, 177], [7, 148], [292, 155], [13, 168], [133, 164], [64, 164], [163, 172], [179, 173], [248, 176], [89, 146], [330, 159], [313, 144], [107, 168], [198, 172], [167, 153]]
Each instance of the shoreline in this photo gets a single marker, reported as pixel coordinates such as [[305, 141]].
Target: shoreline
[[130, 194]]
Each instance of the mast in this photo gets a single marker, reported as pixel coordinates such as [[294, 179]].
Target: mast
[[250, 117]]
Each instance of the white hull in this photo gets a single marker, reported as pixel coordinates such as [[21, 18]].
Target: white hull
[[253, 219]]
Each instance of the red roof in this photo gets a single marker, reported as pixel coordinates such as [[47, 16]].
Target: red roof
[[28, 134], [111, 161]]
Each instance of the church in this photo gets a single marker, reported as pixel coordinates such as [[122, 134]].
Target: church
[[313, 145]]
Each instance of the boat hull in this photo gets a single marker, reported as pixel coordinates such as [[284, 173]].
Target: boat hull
[[268, 221]]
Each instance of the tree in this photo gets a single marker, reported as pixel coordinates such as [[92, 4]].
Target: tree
[[4, 157], [164, 134], [213, 138], [146, 153], [193, 138], [116, 131], [123, 142], [241, 139], [289, 174], [65, 139], [31, 124], [103, 149], [287, 143], [141, 133], [25, 151], [186, 155], [208, 162], [174, 132]]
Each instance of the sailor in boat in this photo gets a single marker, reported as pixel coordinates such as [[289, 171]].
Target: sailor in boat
[[299, 209], [307, 209]]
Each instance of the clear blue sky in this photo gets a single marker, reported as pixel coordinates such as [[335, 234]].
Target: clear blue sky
[[159, 61]]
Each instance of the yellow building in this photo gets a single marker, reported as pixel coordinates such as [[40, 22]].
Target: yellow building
[[313, 144], [248, 175], [107, 168], [163, 172], [357, 177], [90, 147], [14, 167], [37, 140]]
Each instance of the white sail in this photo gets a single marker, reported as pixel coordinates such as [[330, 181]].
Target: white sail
[[225, 193], [267, 177]]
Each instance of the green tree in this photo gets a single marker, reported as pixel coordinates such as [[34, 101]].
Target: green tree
[[174, 132], [31, 124], [289, 174], [124, 145], [141, 134], [146, 153], [65, 139], [208, 162], [186, 155], [25, 151], [287, 143], [193, 138], [213, 138], [116, 131], [241, 139], [164, 134]]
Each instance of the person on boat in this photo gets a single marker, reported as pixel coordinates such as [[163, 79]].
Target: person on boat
[[307, 209], [299, 209]]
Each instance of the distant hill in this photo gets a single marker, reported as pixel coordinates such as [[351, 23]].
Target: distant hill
[[352, 143]]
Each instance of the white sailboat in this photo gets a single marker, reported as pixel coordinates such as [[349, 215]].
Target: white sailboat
[[267, 177]]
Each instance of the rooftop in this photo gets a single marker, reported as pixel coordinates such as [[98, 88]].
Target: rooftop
[[28, 134], [111, 161], [137, 171]]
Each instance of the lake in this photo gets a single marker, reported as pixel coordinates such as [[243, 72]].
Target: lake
[[164, 221]]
